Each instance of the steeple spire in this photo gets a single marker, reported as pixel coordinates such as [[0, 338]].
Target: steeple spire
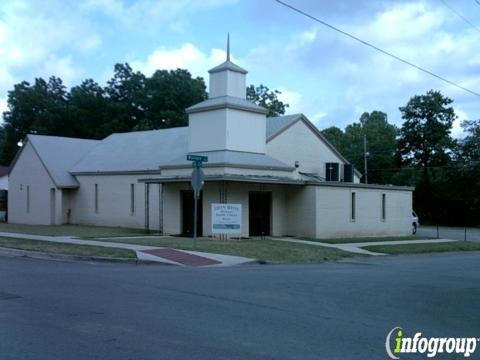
[[228, 46]]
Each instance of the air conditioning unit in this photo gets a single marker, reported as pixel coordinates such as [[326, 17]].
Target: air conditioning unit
[[348, 173], [332, 172]]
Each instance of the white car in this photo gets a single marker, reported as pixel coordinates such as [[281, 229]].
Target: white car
[[415, 223]]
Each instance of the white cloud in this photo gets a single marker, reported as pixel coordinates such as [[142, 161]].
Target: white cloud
[[3, 106], [187, 56], [292, 98], [41, 39]]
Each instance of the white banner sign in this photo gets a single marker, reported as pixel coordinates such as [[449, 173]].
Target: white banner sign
[[226, 218]]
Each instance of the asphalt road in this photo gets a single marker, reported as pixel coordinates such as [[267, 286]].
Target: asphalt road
[[455, 233], [57, 310]]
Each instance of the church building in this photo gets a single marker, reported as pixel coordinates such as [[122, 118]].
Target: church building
[[288, 179]]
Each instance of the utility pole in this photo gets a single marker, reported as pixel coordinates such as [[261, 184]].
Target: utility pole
[[365, 156]]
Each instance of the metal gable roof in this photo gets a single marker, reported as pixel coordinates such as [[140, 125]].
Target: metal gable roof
[[232, 158], [136, 151], [59, 154]]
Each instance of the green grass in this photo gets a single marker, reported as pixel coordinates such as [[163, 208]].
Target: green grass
[[271, 251], [69, 230], [425, 248], [364, 239], [66, 249]]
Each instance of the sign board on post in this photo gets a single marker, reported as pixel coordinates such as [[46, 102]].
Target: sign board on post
[[197, 181], [226, 218]]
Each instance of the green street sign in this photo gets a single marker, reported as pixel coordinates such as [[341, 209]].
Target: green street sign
[[197, 158]]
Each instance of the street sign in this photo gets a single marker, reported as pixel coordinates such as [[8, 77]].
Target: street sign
[[197, 181], [199, 158]]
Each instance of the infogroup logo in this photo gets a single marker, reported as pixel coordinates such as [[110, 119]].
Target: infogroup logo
[[397, 343]]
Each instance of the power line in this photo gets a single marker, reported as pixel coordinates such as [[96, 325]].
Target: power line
[[460, 15], [377, 48]]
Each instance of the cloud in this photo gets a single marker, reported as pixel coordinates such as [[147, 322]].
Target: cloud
[[38, 39], [187, 56], [3, 105], [292, 98], [342, 78]]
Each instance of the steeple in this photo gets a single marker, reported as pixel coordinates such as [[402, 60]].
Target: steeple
[[228, 46], [228, 79], [227, 121]]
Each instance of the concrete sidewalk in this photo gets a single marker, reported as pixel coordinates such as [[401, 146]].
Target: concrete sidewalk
[[357, 248], [146, 253]]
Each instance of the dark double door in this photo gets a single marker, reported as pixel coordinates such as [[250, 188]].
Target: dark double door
[[259, 212], [187, 214]]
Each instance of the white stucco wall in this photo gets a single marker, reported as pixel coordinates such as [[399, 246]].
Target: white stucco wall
[[236, 193], [300, 143], [333, 212], [301, 211], [206, 131], [246, 131], [4, 182], [114, 201], [227, 129], [30, 173]]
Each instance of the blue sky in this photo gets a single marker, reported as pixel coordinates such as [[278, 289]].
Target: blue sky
[[326, 76]]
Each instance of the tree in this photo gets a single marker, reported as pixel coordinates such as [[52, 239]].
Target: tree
[[169, 93], [470, 145], [127, 99], [381, 145], [336, 137], [262, 96], [425, 135], [40, 108], [88, 107], [425, 144]]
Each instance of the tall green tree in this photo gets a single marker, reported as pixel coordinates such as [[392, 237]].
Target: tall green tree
[[40, 108], [425, 134], [425, 144], [336, 137], [263, 96], [169, 93], [381, 145]]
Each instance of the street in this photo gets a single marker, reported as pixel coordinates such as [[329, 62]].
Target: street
[[334, 310], [454, 233]]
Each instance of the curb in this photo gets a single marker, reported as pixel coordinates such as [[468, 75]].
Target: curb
[[9, 252]]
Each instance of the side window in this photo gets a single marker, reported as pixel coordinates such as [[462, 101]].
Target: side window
[[353, 207], [132, 198], [96, 198], [384, 207]]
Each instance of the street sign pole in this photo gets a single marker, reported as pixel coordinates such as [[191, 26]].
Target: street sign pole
[[195, 222], [197, 184]]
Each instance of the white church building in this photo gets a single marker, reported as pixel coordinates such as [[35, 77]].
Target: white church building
[[288, 178]]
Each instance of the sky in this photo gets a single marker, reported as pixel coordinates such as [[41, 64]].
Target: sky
[[329, 77]]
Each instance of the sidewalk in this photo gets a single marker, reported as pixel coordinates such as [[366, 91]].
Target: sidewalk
[[357, 248], [147, 253]]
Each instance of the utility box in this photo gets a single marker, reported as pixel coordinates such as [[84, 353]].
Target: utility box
[[348, 173], [332, 172]]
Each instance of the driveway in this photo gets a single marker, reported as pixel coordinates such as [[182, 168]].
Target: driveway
[[334, 310], [454, 233]]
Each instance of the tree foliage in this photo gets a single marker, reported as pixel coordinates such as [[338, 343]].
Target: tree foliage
[[425, 135], [263, 96], [381, 144]]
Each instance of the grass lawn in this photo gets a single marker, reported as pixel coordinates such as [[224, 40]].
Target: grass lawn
[[364, 239], [67, 249], [264, 250], [72, 230], [425, 248]]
